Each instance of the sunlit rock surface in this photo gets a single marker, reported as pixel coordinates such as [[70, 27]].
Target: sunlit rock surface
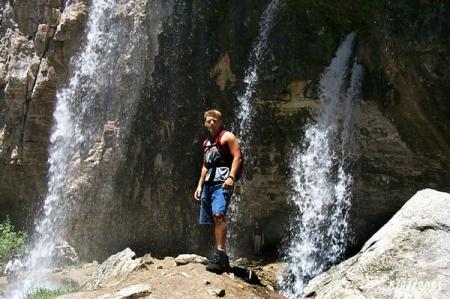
[[32, 65], [163, 278], [409, 257], [114, 270]]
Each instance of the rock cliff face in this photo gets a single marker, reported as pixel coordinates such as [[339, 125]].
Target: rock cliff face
[[37, 40], [404, 125], [202, 54]]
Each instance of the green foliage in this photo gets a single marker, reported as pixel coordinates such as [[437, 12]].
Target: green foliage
[[47, 294], [11, 241]]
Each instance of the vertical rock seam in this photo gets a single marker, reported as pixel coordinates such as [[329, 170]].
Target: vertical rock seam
[[29, 91]]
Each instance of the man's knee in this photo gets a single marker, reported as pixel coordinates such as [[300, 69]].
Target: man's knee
[[218, 218]]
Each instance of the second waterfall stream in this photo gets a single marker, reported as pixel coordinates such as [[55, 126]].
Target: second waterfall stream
[[246, 109], [321, 183]]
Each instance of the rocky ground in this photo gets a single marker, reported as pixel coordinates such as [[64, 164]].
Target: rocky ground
[[409, 257], [123, 276]]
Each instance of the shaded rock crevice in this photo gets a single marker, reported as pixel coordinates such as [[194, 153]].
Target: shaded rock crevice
[[440, 227]]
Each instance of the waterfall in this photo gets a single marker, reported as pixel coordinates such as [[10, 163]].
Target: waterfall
[[246, 100], [246, 107], [321, 182], [91, 119]]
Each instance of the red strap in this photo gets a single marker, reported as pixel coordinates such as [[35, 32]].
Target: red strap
[[223, 149], [219, 137]]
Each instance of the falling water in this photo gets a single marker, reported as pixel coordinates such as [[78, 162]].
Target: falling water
[[246, 106], [93, 102], [246, 100], [321, 182]]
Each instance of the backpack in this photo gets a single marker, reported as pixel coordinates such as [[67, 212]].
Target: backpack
[[224, 152]]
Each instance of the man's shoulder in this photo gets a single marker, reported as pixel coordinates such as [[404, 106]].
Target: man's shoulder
[[227, 136]]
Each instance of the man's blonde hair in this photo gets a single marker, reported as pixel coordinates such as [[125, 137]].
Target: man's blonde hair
[[214, 113]]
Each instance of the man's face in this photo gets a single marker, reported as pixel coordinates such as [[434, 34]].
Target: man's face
[[213, 124]]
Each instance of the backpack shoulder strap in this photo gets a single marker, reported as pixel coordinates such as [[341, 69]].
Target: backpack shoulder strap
[[219, 137], [223, 148]]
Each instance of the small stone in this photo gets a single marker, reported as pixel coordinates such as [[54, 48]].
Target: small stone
[[206, 282], [158, 267], [217, 292], [270, 287], [242, 261], [135, 291], [184, 259], [184, 274], [147, 259]]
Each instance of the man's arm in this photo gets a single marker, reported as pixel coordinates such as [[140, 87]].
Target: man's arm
[[235, 150], [198, 191]]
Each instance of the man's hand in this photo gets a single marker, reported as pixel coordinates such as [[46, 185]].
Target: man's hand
[[198, 193], [228, 184]]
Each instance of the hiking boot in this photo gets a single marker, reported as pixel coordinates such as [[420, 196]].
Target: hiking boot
[[219, 262]]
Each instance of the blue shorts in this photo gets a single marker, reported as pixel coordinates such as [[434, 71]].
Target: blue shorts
[[214, 200]]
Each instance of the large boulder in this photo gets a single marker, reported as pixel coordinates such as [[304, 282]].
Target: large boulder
[[114, 270], [409, 257], [65, 254]]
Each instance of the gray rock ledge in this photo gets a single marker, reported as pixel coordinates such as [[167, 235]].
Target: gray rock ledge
[[409, 257]]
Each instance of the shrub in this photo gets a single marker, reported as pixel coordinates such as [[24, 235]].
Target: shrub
[[47, 294], [11, 241]]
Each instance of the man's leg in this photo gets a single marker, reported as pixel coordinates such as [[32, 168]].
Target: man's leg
[[213, 234], [219, 205], [220, 231], [220, 261]]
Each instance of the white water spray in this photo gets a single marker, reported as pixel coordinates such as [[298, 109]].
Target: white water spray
[[321, 182], [246, 109], [246, 99]]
